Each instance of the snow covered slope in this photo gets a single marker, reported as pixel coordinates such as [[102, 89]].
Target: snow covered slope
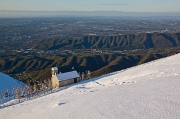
[[149, 91], [7, 82]]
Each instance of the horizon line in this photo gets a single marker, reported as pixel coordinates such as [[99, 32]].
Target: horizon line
[[87, 11]]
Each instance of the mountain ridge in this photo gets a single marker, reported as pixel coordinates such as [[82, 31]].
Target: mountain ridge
[[122, 42]]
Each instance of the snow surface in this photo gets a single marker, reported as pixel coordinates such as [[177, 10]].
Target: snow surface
[[149, 91], [54, 68], [67, 75], [7, 82]]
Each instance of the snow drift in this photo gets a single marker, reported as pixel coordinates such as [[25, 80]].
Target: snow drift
[[147, 91], [7, 82]]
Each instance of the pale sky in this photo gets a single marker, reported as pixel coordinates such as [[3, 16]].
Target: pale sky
[[92, 5]]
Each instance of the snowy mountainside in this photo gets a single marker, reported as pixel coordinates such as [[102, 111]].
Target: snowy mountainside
[[146, 91], [7, 82]]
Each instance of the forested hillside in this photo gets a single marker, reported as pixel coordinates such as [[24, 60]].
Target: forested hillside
[[38, 67], [122, 42], [118, 42]]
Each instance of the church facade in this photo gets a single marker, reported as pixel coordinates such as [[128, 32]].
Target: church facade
[[64, 79]]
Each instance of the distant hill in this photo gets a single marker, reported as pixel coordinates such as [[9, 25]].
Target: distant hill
[[122, 42], [37, 68]]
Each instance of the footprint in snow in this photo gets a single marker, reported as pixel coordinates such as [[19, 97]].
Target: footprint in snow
[[99, 84], [61, 103], [93, 91], [123, 83]]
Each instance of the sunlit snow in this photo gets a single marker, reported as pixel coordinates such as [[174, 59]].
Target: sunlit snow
[[149, 91]]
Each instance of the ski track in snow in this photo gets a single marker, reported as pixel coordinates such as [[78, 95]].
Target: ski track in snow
[[148, 91]]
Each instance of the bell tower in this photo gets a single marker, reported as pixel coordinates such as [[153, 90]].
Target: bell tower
[[54, 71]]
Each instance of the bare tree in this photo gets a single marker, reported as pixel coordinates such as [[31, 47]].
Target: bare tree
[[18, 92], [44, 86], [50, 87], [35, 89], [27, 92], [88, 74], [13, 93], [82, 76], [6, 94], [28, 83], [1, 97]]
